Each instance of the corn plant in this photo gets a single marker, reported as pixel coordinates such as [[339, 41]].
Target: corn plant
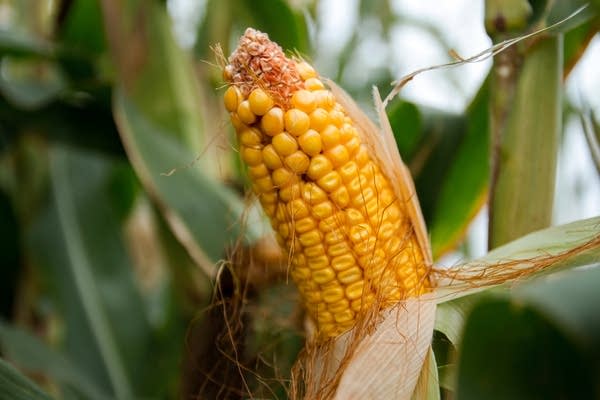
[[179, 222]]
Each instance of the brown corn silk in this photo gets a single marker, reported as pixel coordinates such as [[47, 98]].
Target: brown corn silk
[[347, 219]]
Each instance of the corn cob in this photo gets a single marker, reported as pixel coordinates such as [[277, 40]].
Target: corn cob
[[333, 209]]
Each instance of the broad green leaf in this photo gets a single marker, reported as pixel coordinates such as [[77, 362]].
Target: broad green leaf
[[566, 246], [428, 140], [81, 28], [407, 124], [197, 207], [78, 245], [80, 33], [541, 341], [527, 141], [580, 240], [465, 186], [158, 113], [31, 355], [284, 25], [15, 386], [448, 156]]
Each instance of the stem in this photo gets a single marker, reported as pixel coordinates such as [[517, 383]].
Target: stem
[[526, 123]]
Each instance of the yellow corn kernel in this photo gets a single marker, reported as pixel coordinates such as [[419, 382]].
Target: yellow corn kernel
[[264, 184], [322, 276], [316, 250], [344, 316], [319, 167], [336, 117], [252, 156], [306, 70], [338, 306], [338, 249], [237, 123], [354, 290], [324, 99], [232, 98], [282, 177], [296, 121], [313, 194], [290, 192], [305, 225], [352, 145], [250, 137], [319, 119], [333, 208], [260, 102], [313, 84], [354, 216], [304, 100], [271, 157], [330, 136], [319, 262], [298, 162], [341, 197], [284, 144], [272, 122], [338, 155], [323, 209], [343, 262], [245, 113], [330, 181], [300, 273], [350, 275], [258, 171], [310, 238], [298, 209], [333, 294], [310, 142]]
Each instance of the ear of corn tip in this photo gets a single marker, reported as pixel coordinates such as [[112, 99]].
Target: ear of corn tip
[[330, 204]]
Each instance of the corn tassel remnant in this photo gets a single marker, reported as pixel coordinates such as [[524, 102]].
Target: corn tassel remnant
[[350, 241]]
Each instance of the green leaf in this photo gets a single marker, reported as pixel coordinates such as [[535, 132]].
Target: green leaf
[[31, 355], [464, 189], [457, 299], [15, 386], [81, 28], [527, 144], [448, 157], [567, 11], [407, 124], [158, 113], [285, 26], [78, 244], [542, 341], [198, 207], [428, 140]]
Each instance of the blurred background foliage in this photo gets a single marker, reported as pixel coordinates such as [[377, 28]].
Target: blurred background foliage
[[121, 193]]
